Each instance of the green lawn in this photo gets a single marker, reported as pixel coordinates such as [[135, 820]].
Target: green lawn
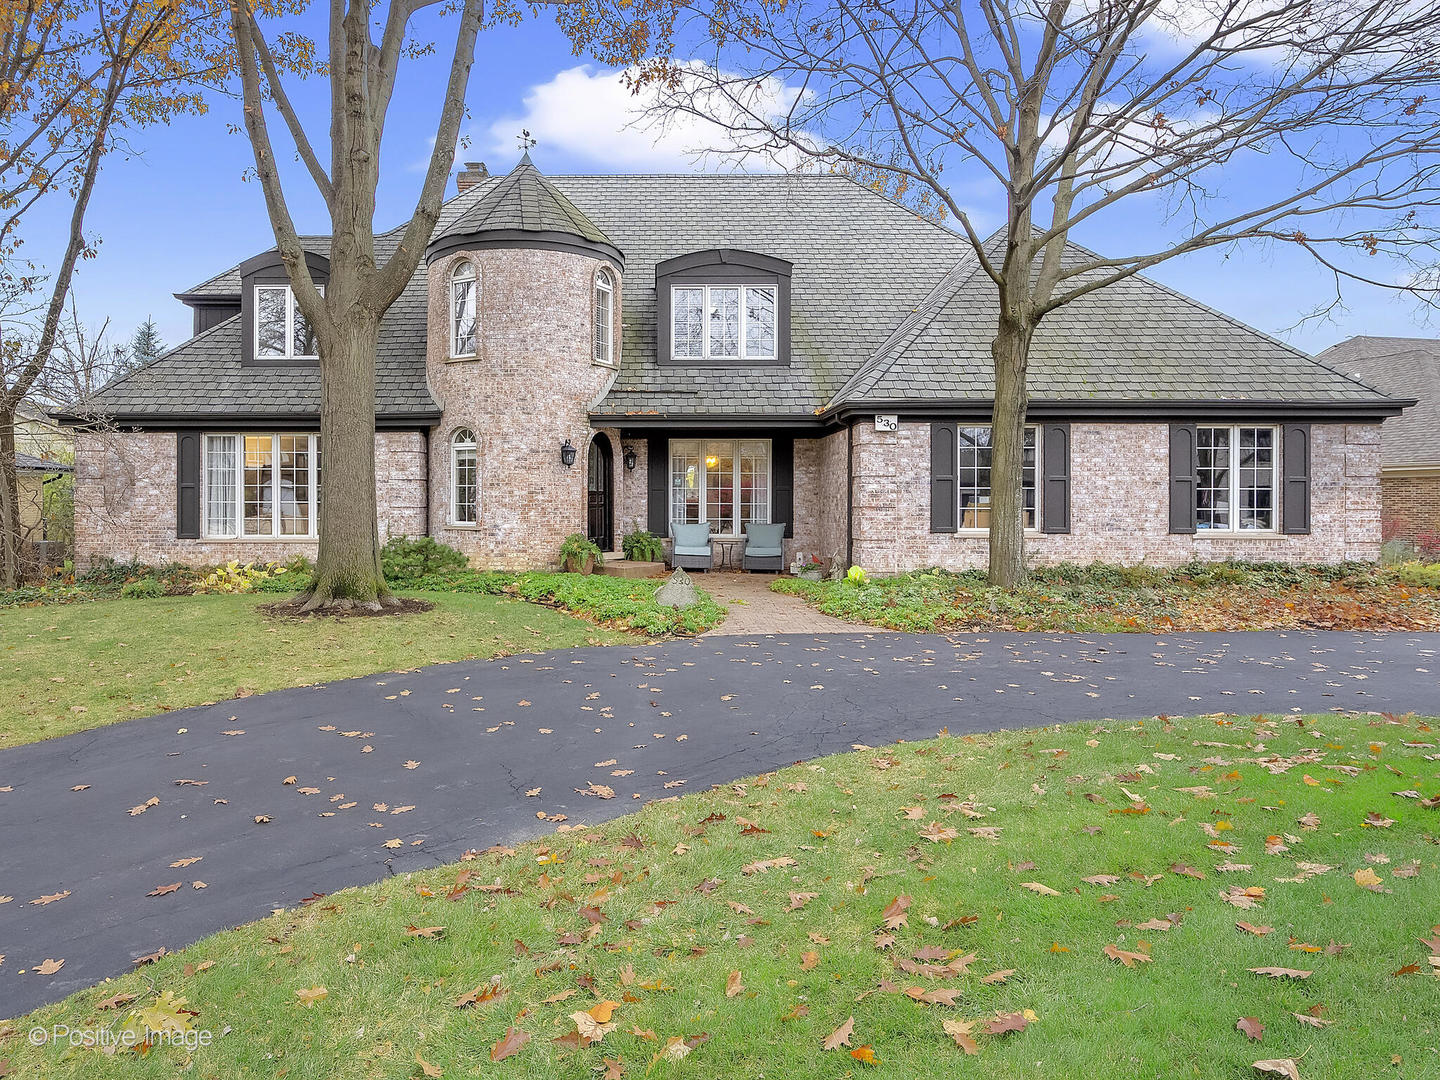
[[736, 933], [68, 667], [1101, 598]]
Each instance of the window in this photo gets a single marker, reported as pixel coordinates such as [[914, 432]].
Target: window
[[462, 309], [281, 332], [723, 481], [723, 322], [973, 453], [261, 486], [604, 317], [464, 478], [1236, 473]]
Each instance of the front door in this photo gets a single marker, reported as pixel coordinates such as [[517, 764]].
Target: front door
[[599, 505]]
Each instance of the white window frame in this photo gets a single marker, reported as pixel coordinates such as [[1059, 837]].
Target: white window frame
[[456, 445], [603, 344], [474, 308], [290, 311], [960, 529], [238, 507], [1235, 528], [704, 288], [702, 494]]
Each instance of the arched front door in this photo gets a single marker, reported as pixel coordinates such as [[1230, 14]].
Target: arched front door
[[600, 499]]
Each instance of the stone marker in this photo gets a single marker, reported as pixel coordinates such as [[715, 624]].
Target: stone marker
[[678, 592]]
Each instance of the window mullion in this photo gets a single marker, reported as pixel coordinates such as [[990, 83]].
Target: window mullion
[[1235, 479]]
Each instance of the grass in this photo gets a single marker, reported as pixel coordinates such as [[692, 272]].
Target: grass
[[660, 912], [1101, 598], [70, 667]]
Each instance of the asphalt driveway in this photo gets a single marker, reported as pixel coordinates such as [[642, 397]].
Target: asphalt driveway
[[399, 771]]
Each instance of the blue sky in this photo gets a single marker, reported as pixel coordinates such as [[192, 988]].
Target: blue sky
[[182, 210]]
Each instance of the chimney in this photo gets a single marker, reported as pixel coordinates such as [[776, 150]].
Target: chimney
[[472, 174]]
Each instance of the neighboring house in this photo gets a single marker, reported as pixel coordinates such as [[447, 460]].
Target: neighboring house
[[601, 353], [1409, 444], [32, 474], [39, 436]]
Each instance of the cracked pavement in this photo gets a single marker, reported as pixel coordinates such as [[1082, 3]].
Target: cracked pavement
[[438, 760]]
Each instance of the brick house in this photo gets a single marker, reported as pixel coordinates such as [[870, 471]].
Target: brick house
[[605, 353], [1409, 444]]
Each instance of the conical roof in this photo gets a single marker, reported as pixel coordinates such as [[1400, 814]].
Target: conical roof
[[523, 209]]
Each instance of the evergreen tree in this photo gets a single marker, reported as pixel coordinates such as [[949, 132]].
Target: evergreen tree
[[146, 343]]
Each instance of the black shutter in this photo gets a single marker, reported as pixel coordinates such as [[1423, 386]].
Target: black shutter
[[942, 477], [782, 476], [1295, 461], [1055, 460], [1184, 478], [657, 485], [187, 485]]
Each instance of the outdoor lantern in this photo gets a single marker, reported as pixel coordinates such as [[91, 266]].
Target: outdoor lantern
[[630, 459], [567, 453]]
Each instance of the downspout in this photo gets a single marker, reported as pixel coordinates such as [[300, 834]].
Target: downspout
[[425, 435], [849, 495]]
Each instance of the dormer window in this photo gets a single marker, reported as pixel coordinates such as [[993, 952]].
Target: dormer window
[[281, 332], [604, 317], [463, 329], [723, 307]]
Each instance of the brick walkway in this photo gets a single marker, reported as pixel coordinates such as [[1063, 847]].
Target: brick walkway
[[755, 610]]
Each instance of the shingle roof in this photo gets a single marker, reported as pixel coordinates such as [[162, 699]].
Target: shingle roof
[[1403, 367], [885, 307], [1134, 340], [31, 463], [525, 201]]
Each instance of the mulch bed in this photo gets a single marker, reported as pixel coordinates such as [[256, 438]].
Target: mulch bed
[[401, 605]]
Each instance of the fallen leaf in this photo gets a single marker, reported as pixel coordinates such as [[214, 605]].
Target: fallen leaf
[[733, 986], [1280, 1066], [865, 1054], [1258, 931], [163, 889], [48, 966], [840, 1036], [310, 995], [426, 1067], [1036, 887], [959, 1030], [509, 1044], [1251, 1027], [1129, 959], [1282, 972]]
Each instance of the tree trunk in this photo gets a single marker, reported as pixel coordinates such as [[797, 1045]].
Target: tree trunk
[[9, 504], [347, 573], [1010, 351]]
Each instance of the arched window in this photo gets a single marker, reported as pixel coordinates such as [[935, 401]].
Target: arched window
[[604, 317], [462, 309], [464, 478]]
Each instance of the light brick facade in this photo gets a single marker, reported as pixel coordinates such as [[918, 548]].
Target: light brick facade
[[1119, 503], [530, 387], [126, 501]]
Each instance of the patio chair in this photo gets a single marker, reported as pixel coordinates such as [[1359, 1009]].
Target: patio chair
[[764, 547], [691, 549]]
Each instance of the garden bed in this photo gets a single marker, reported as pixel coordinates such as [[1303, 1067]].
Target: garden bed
[[1103, 599]]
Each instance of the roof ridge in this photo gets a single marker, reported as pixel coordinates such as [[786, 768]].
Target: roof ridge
[[915, 323]]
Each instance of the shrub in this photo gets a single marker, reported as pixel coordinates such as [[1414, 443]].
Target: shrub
[[576, 551], [1418, 575], [405, 559], [145, 588], [643, 546], [236, 578]]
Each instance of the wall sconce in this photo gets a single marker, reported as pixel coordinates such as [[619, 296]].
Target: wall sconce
[[567, 454], [630, 459]]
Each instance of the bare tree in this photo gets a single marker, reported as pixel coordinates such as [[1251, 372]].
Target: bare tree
[[74, 75], [1073, 111], [346, 318]]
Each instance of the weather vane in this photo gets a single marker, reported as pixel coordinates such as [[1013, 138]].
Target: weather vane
[[524, 139]]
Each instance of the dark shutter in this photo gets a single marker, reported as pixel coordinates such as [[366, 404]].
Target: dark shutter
[[187, 485], [782, 478], [1055, 461], [1295, 461], [657, 475], [1184, 478], [942, 477]]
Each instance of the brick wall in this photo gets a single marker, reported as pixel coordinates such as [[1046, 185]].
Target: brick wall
[[125, 501], [529, 388], [1410, 506], [821, 485], [1119, 503]]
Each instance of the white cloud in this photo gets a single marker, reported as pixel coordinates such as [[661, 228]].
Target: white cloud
[[590, 113]]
